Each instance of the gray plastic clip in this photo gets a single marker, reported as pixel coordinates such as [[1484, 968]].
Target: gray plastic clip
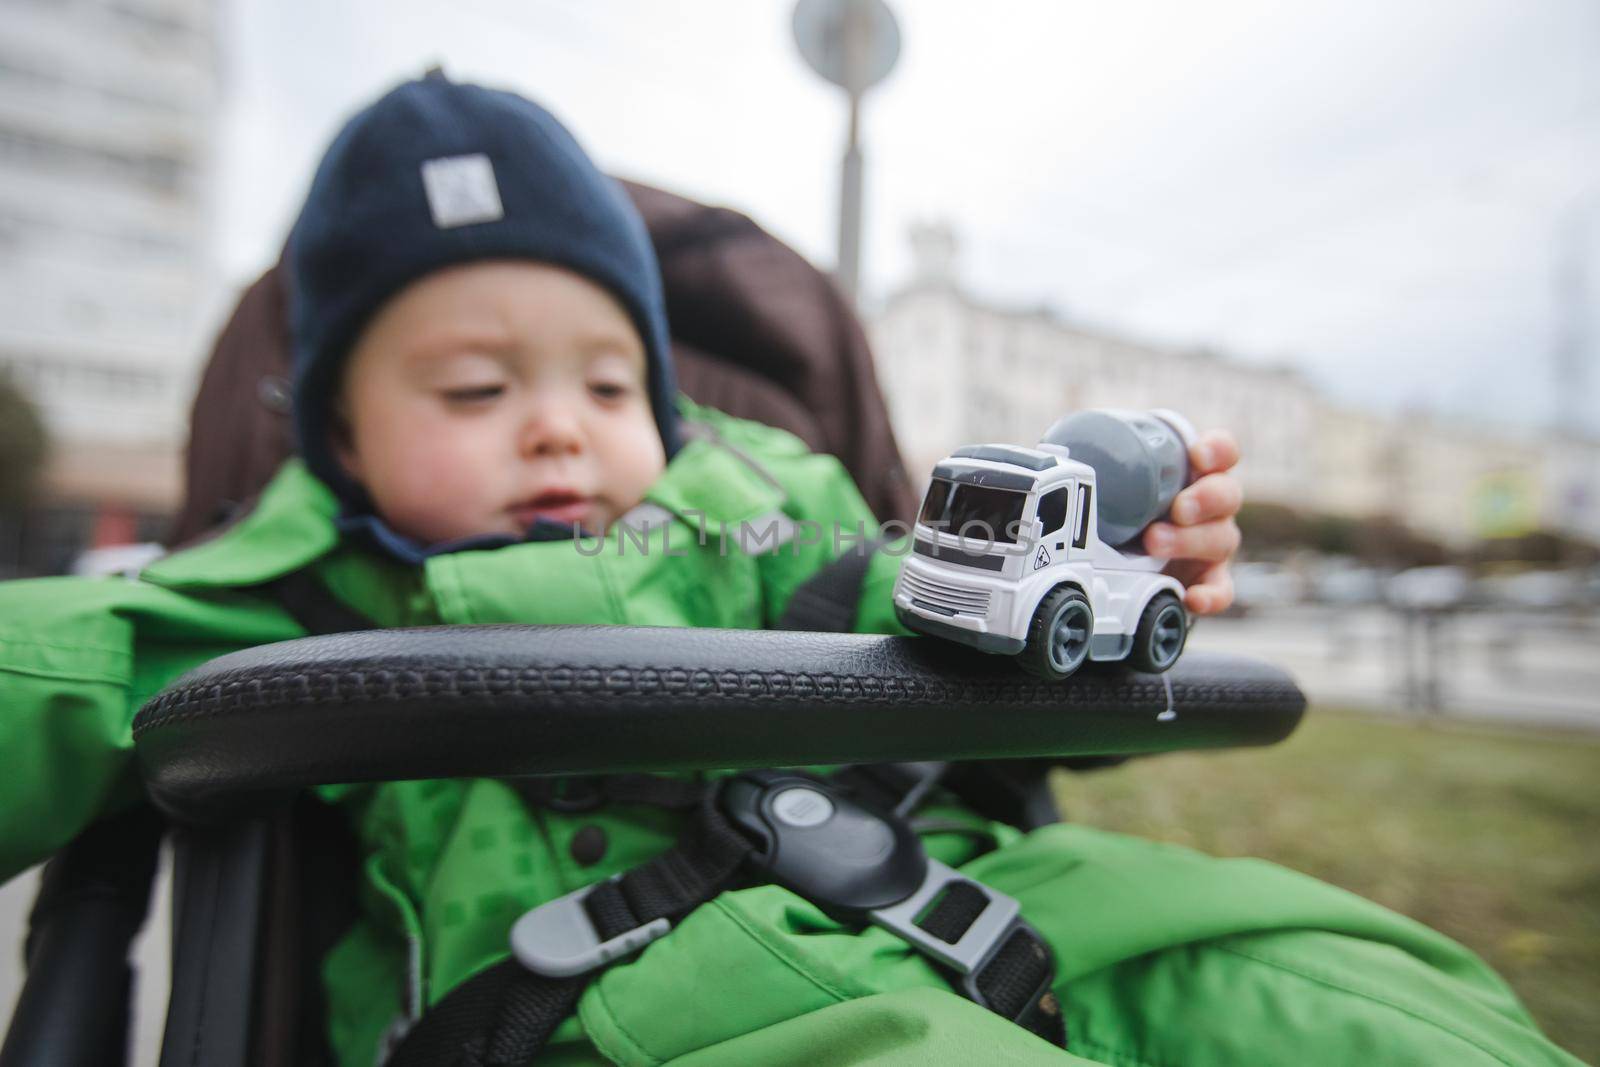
[[558, 939], [980, 939]]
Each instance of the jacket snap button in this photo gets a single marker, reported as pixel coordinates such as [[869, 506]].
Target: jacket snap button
[[588, 845]]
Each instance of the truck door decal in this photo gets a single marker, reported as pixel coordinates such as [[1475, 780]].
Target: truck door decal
[[1085, 498]]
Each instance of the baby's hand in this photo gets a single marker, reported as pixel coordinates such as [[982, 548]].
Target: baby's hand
[[1202, 536]]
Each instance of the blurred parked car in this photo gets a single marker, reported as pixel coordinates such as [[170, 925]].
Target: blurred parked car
[[1430, 588], [1545, 590], [1266, 585], [1342, 582]]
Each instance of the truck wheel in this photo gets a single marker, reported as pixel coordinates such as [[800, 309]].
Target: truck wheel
[[1163, 628], [1058, 637]]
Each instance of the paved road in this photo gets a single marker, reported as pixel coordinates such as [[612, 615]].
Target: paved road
[[1538, 669]]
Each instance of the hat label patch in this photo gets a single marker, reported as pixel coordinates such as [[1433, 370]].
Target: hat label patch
[[461, 190]]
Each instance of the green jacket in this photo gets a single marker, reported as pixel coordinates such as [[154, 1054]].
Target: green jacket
[[1164, 956]]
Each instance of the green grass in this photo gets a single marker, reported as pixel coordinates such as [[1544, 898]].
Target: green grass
[[1491, 837]]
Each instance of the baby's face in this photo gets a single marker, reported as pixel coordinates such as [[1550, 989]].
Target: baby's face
[[486, 396]]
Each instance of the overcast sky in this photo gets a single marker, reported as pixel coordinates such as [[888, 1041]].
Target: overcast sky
[[1378, 193]]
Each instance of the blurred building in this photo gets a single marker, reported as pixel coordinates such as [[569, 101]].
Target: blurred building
[[1569, 485], [1454, 480], [1354, 453], [106, 152], [958, 370]]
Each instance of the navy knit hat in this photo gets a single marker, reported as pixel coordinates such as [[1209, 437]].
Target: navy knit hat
[[437, 173]]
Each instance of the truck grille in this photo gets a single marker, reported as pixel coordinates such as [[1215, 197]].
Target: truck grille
[[951, 599]]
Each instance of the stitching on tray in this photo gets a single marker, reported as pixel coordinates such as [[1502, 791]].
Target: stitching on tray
[[258, 687]]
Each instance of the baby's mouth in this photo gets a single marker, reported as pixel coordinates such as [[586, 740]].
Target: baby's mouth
[[558, 505]]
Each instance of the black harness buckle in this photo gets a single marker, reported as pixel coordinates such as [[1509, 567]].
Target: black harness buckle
[[816, 839]]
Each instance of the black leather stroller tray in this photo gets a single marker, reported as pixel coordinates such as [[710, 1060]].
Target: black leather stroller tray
[[494, 701]]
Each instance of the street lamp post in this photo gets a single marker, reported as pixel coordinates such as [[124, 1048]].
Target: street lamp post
[[853, 44]]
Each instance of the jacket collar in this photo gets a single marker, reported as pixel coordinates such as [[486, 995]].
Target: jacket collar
[[291, 526]]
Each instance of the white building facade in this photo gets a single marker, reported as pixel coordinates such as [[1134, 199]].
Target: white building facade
[[106, 163], [957, 371]]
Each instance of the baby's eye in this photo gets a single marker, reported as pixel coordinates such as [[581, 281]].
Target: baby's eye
[[470, 393], [609, 390]]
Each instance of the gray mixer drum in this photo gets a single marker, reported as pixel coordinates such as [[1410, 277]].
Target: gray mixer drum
[[1140, 459]]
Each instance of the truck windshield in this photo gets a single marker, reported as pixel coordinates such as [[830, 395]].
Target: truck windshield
[[975, 512]]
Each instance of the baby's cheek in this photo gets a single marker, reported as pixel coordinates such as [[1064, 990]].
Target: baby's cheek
[[437, 504], [451, 479], [635, 457]]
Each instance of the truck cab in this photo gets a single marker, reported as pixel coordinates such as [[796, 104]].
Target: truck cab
[[1001, 530]]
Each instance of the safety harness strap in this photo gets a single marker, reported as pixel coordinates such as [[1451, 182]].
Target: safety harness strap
[[500, 1017], [1016, 984], [309, 603], [505, 1014], [582, 793], [827, 601], [1016, 980], [701, 865]]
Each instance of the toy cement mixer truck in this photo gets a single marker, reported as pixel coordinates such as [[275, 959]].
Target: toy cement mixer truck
[[1033, 552]]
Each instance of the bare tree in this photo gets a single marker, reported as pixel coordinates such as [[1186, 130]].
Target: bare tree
[[23, 446]]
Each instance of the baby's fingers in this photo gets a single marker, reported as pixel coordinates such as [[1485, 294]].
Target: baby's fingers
[[1212, 593], [1213, 542], [1214, 496], [1214, 451]]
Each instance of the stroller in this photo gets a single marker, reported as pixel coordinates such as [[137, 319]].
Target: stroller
[[263, 882]]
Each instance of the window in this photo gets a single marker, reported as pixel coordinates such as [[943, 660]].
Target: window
[[973, 511], [1085, 502], [933, 505], [1053, 510]]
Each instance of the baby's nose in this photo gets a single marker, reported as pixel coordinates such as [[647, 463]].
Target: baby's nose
[[550, 429]]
